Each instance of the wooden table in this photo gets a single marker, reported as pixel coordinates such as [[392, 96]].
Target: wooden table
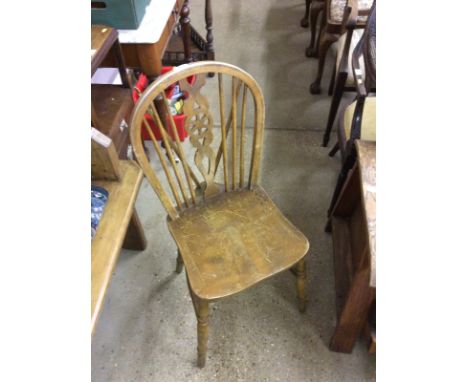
[[104, 40], [190, 45], [353, 222], [119, 225]]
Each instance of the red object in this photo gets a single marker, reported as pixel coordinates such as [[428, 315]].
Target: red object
[[179, 120]]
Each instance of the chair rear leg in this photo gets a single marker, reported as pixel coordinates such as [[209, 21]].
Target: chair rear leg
[[305, 20], [301, 282], [326, 39], [314, 13]]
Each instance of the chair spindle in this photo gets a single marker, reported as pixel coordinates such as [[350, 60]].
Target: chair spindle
[[181, 151], [242, 132], [192, 174], [223, 130], [163, 163], [228, 127], [166, 140], [234, 129]]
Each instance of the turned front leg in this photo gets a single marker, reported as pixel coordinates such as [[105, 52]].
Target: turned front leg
[[301, 281], [201, 311], [202, 330]]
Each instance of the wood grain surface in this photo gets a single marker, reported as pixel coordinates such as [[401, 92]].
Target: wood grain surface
[[104, 159], [235, 240], [367, 167], [102, 39], [111, 231]]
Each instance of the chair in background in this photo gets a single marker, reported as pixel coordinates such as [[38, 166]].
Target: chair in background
[[330, 31], [358, 120], [343, 80], [229, 233]]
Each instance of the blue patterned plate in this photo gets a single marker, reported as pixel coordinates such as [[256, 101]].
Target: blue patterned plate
[[98, 200]]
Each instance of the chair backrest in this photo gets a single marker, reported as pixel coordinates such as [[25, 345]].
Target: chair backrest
[[366, 53], [370, 47], [189, 181], [366, 49]]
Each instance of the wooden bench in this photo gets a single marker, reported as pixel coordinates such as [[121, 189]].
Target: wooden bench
[[119, 225]]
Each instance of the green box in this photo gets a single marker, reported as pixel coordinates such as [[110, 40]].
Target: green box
[[119, 14]]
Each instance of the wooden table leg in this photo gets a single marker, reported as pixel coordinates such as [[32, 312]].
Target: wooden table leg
[[135, 237], [209, 30], [117, 51], [354, 313], [186, 31], [150, 59]]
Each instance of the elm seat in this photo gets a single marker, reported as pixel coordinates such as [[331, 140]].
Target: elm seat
[[336, 10], [246, 236]]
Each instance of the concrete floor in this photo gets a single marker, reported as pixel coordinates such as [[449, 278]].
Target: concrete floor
[[147, 330]]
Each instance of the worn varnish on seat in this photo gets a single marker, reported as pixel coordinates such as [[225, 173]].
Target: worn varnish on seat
[[231, 235], [235, 240]]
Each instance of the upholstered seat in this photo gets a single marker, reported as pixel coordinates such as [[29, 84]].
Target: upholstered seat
[[337, 7], [368, 120], [241, 238]]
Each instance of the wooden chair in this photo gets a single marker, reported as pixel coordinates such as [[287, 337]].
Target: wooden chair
[[331, 30], [229, 233], [358, 119], [344, 78]]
